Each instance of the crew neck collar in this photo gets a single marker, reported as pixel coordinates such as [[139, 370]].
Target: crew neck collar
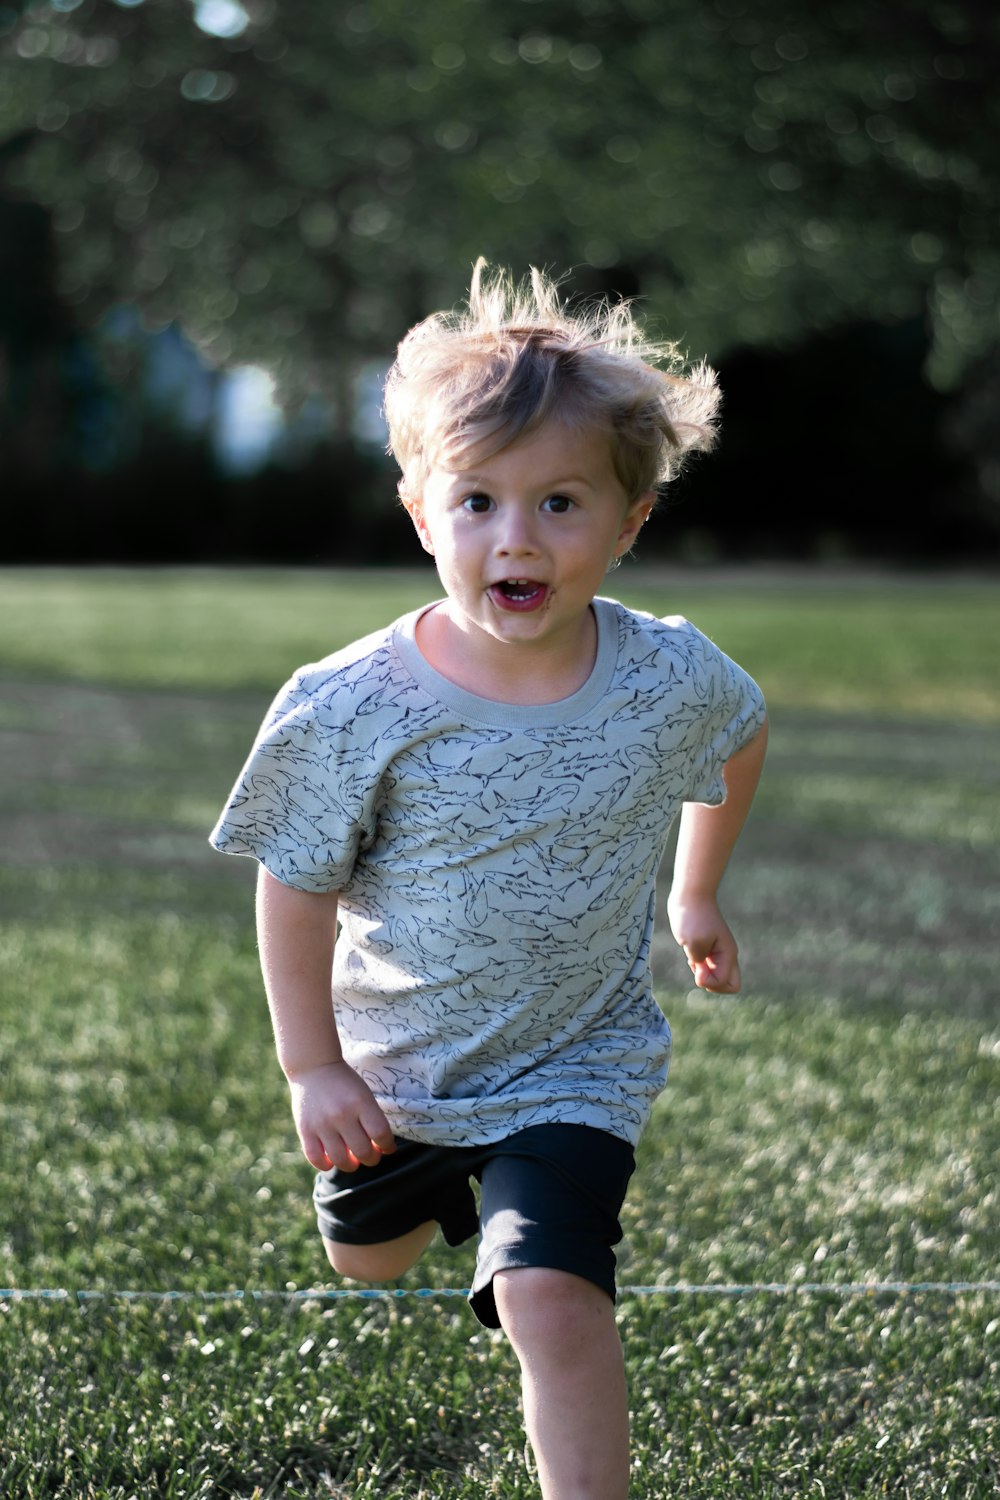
[[469, 706]]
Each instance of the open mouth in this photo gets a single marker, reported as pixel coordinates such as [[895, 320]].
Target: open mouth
[[519, 593]]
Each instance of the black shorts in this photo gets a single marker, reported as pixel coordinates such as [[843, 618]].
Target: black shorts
[[549, 1196]]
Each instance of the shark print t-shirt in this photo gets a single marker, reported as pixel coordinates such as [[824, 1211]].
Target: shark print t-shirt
[[496, 865]]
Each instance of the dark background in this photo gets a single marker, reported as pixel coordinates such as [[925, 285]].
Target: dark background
[[807, 196]]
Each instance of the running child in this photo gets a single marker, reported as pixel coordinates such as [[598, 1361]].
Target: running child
[[480, 795]]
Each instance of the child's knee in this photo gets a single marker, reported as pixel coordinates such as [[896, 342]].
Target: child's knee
[[383, 1262], [540, 1306]]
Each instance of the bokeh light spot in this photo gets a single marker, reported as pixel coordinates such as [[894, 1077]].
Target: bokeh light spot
[[223, 18]]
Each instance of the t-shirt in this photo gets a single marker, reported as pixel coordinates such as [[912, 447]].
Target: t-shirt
[[496, 865]]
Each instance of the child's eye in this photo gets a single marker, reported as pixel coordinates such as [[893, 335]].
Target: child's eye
[[559, 504], [477, 504]]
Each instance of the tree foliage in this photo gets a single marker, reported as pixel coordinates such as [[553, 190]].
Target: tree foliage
[[298, 183], [294, 185]]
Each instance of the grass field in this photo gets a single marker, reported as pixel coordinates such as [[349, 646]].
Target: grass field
[[838, 1124]]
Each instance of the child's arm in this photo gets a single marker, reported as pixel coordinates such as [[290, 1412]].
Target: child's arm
[[338, 1120], [705, 840]]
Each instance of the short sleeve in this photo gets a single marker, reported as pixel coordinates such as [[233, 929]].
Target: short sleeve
[[299, 806], [732, 711]]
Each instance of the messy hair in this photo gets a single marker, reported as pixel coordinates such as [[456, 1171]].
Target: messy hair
[[468, 383]]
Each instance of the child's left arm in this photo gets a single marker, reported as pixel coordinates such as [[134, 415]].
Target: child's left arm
[[705, 840]]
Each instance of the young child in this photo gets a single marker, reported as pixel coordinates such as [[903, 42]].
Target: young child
[[481, 794]]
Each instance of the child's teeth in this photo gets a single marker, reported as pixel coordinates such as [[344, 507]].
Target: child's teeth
[[519, 589]]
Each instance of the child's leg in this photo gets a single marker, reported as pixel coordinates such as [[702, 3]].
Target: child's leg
[[377, 1221], [382, 1262], [563, 1331], [550, 1199]]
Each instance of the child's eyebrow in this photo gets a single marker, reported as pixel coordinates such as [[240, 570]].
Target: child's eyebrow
[[470, 479]]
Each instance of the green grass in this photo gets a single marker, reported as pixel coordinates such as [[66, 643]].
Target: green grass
[[887, 645], [838, 1123]]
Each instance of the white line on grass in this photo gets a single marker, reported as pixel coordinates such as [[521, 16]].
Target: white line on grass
[[679, 1289]]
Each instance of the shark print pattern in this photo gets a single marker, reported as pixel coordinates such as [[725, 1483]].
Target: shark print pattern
[[496, 866]]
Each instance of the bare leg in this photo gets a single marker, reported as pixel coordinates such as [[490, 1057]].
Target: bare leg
[[564, 1334], [382, 1262]]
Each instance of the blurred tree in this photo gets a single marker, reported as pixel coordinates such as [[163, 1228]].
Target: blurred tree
[[317, 175], [297, 184], [31, 327]]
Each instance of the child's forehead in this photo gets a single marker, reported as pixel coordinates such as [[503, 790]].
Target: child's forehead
[[583, 451]]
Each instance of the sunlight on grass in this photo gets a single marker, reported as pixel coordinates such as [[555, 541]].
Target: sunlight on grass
[[838, 1123], [898, 645], [156, 1151]]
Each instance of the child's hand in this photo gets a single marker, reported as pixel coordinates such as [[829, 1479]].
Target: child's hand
[[338, 1120], [708, 944]]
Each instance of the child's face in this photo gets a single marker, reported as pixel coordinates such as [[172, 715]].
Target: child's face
[[523, 540]]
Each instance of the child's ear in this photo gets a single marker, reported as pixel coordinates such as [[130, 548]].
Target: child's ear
[[635, 518], [415, 511]]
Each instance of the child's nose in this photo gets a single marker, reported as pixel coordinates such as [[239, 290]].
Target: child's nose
[[517, 536]]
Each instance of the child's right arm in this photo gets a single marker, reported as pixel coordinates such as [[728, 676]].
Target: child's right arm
[[336, 1115]]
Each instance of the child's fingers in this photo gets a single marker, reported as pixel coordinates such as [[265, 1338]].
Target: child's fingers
[[339, 1121], [717, 971], [315, 1153], [378, 1129], [354, 1147], [717, 985], [335, 1152], [363, 1143]]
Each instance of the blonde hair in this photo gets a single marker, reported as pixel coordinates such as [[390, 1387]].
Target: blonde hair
[[468, 383]]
